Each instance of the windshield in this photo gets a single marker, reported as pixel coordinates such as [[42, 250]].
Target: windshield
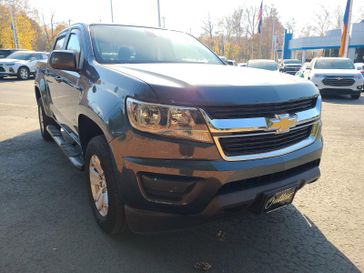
[[264, 65], [291, 62], [125, 44], [20, 56], [334, 64]]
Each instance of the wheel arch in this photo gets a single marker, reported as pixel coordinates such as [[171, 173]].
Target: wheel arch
[[23, 65], [37, 93], [87, 129]]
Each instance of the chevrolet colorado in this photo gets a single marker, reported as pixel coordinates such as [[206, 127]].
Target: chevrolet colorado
[[168, 134]]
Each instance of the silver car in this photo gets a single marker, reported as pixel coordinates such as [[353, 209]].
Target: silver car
[[21, 64], [335, 76]]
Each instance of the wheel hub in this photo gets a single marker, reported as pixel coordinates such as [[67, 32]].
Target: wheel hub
[[23, 73], [98, 186]]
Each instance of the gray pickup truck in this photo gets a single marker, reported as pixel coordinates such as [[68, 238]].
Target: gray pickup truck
[[168, 134]]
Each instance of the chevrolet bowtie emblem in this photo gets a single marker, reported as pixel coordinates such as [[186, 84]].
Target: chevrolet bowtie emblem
[[282, 123], [339, 79]]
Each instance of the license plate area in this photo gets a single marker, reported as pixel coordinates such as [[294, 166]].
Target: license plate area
[[276, 200]]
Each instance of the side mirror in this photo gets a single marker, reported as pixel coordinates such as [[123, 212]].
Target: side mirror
[[63, 60]]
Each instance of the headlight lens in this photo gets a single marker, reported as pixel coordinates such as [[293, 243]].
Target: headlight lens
[[168, 120], [358, 77], [9, 64]]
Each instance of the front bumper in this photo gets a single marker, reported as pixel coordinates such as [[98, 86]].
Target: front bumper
[[214, 186], [356, 88], [8, 70]]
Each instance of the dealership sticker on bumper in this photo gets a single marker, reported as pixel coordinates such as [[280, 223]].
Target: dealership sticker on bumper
[[279, 199]]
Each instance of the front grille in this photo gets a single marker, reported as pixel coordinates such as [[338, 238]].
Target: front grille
[[262, 143], [338, 81], [292, 68], [2, 69], [260, 110]]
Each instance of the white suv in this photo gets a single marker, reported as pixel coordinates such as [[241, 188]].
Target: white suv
[[335, 76], [21, 64]]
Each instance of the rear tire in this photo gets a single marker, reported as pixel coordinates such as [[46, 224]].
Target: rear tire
[[23, 73], [44, 121], [356, 96], [105, 198]]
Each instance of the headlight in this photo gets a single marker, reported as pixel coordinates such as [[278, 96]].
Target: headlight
[[168, 120], [9, 64], [358, 77]]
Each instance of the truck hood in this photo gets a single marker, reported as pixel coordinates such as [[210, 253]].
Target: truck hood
[[337, 72], [206, 84]]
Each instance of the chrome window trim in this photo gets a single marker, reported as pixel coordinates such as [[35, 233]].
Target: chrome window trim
[[258, 123]]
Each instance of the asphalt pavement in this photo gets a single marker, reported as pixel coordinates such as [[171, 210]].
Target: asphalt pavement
[[46, 224]]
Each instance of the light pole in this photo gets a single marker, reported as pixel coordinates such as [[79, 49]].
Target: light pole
[[112, 12], [13, 25], [159, 14]]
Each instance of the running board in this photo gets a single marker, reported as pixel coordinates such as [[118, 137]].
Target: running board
[[72, 151]]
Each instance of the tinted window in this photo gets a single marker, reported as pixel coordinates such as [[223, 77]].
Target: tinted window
[[73, 43], [59, 43], [38, 56], [334, 64], [289, 61], [4, 53], [124, 44], [20, 55], [264, 65]]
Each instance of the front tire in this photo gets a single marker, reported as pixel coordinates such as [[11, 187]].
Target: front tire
[[44, 121], [23, 73], [356, 96], [105, 197]]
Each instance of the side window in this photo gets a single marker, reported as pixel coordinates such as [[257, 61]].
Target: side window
[[38, 56], [74, 45], [59, 43]]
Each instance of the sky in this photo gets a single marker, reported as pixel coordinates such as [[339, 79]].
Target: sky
[[184, 15]]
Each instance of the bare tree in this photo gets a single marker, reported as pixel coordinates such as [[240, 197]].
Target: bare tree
[[236, 17], [307, 31], [322, 21], [227, 26], [338, 17], [208, 26], [251, 20], [291, 25], [360, 15], [49, 31]]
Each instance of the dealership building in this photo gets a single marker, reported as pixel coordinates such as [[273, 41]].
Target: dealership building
[[308, 47]]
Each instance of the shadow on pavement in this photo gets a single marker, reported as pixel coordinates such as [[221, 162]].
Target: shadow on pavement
[[14, 79], [47, 226]]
